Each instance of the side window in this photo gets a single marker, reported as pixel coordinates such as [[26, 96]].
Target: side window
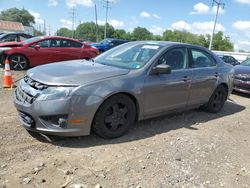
[[10, 38], [76, 44], [176, 58], [231, 58], [44, 43], [23, 37], [55, 43], [70, 44], [201, 59]]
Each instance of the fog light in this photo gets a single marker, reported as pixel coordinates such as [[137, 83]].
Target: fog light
[[62, 122]]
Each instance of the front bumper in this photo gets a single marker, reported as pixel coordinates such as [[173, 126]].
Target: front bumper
[[242, 86], [71, 116]]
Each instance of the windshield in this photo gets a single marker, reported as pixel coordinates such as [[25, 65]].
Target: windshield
[[105, 41], [246, 62], [129, 55], [2, 35], [33, 39]]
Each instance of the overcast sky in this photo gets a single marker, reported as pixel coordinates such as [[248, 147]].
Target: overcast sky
[[196, 16]]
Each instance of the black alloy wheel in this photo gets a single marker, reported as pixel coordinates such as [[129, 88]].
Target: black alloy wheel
[[217, 100], [115, 116], [18, 62]]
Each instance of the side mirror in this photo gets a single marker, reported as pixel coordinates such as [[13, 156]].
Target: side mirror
[[37, 46], [161, 69]]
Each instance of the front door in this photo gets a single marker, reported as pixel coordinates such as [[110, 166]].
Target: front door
[[166, 92]]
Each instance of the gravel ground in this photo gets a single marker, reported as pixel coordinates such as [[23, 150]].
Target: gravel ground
[[190, 149]]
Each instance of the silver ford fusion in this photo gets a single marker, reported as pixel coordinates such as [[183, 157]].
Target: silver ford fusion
[[134, 81]]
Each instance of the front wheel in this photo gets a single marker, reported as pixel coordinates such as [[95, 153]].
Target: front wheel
[[217, 100], [18, 62], [114, 117]]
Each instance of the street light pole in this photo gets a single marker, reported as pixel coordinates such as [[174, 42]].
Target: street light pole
[[218, 3]]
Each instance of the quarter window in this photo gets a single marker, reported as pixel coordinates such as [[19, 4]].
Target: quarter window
[[70, 44], [175, 58], [201, 59]]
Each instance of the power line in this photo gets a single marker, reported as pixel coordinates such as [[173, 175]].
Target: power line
[[107, 7], [219, 4]]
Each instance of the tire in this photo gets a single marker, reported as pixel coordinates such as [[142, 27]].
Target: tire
[[18, 62], [217, 100], [114, 117]]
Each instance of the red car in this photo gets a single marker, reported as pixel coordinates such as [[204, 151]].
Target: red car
[[42, 50]]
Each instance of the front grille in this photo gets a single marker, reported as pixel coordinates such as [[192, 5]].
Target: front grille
[[28, 90], [22, 96], [34, 84], [242, 78]]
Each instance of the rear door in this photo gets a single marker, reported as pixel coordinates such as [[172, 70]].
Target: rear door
[[166, 92], [205, 76], [70, 50]]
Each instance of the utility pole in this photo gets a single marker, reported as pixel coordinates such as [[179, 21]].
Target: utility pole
[[184, 31], [44, 27], [73, 20], [107, 7], [219, 4], [96, 24], [49, 30]]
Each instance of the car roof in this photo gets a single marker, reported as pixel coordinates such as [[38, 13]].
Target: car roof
[[170, 43], [58, 37]]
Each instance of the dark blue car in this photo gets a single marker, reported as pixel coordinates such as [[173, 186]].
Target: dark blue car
[[108, 43]]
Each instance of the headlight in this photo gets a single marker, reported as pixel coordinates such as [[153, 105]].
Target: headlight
[[52, 93]]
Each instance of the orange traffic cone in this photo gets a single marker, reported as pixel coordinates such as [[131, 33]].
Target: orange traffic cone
[[7, 79]]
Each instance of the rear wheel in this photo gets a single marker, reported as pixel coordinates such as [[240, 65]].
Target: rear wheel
[[18, 62], [114, 117], [217, 100]]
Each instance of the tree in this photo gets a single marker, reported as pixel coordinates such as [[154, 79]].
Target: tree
[[86, 30], [121, 34], [65, 32], [221, 42], [141, 33], [17, 15], [38, 33]]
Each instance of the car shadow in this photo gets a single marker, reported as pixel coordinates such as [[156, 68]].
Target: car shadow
[[148, 128]]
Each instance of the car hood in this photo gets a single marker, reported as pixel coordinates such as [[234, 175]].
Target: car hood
[[96, 44], [11, 44], [77, 72], [241, 69]]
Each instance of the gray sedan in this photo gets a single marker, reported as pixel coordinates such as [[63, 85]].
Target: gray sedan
[[134, 81]]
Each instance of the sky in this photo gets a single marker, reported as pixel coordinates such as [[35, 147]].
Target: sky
[[196, 16]]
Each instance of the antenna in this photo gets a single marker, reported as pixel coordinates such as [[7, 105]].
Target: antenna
[[219, 4]]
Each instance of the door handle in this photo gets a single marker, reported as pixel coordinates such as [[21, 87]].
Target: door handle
[[185, 78], [216, 74]]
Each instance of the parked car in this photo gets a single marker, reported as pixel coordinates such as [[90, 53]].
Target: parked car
[[108, 43], [229, 59], [14, 37], [42, 50], [242, 77], [134, 81]]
